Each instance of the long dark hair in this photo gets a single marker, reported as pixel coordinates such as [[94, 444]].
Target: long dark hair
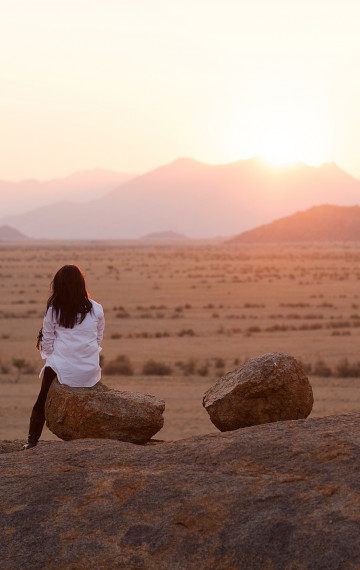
[[69, 297]]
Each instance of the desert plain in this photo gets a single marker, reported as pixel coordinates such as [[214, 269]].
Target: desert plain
[[195, 310]]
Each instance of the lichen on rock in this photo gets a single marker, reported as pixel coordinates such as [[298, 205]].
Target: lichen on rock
[[284, 495]]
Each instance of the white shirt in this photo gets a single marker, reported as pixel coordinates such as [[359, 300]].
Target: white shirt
[[74, 353]]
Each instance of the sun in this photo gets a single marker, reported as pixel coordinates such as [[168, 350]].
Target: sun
[[278, 148], [282, 128]]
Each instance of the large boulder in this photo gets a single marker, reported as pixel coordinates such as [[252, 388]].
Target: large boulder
[[99, 412], [280, 496], [270, 388]]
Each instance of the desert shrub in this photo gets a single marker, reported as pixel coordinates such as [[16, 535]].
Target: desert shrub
[[30, 368], [152, 367], [321, 369], [338, 324], [4, 368], [188, 367], [219, 363], [279, 328], [312, 327], [116, 335], [344, 369], [253, 329], [203, 370], [186, 332], [306, 366], [122, 315], [314, 316], [293, 305], [121, 366], [19, 363]]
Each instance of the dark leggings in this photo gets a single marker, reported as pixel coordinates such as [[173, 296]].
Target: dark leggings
[[48, 377]]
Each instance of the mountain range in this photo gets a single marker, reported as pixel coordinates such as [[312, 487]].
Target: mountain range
[[10, 234], [20, 197], [325, 223], [194, 199]]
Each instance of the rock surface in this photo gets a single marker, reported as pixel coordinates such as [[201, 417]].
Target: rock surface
[[284, 495], [269, 388], [99, 412]]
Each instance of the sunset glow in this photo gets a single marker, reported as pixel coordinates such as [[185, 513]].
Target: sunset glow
[[132, 86], [278, 148]]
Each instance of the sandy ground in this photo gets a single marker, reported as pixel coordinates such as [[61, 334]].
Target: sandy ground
[[184, 302], [184, 413]]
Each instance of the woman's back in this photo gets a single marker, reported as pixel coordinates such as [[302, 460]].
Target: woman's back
[[74, 352]]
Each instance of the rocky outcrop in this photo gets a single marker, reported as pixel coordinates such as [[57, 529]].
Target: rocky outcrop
[[99, 412], [282, 495], [270, 388]]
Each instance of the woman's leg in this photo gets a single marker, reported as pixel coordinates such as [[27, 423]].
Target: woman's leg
[[37, 418]]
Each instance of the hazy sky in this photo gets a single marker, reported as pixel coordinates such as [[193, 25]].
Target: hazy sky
[[132, 84]]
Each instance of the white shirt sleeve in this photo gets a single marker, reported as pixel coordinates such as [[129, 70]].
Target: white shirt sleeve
[[47, 344], [100, 326]]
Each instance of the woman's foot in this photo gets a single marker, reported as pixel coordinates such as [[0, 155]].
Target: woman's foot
[[30, 444], [37, 421]]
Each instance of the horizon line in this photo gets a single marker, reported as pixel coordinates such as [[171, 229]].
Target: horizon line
[[259, 158]]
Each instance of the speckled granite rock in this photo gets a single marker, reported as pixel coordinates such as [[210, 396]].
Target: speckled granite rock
[[269, 388], [99, 412], [284, 495]]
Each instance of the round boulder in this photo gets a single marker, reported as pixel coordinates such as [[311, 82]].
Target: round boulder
[[269, 388], [100, 412]]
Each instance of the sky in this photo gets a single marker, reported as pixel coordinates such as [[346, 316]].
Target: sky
[[129, 85]]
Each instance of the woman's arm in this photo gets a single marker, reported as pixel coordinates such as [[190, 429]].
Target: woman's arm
[[100, 326], [48, 331]]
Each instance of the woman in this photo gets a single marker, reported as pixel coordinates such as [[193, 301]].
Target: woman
[[70, 341]]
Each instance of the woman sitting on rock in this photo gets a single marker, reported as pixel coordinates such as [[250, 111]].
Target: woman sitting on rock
[[69, 340]]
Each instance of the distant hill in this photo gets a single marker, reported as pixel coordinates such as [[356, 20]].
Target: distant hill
[[199, 200], [25, 195], [164, 236], [10, 234], [318, 224]]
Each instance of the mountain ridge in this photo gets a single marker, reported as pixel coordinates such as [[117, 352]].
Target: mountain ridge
[[20, 196], [194, 199], [325, 223], [7, 233]]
